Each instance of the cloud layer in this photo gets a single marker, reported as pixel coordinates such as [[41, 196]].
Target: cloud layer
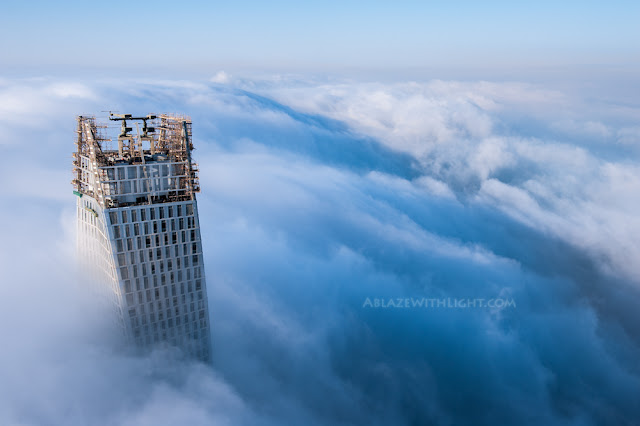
[[320, 195]]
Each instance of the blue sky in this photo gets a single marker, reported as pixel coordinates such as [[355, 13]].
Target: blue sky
[[322, 36]]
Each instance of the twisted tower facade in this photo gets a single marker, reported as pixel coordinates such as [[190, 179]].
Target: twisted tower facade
[[138, 229]]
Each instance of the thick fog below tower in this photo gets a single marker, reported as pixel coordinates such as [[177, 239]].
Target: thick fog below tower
[[317, 196]]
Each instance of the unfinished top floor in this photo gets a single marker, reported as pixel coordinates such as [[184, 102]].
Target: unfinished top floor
[[149, 166]]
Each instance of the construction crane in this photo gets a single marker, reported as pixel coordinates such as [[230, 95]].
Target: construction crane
[[125, 130]]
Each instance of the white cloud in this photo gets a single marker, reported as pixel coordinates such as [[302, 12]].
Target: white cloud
[[435, 187], [629, 136], [221, 77], [439, 189], [461, 133]]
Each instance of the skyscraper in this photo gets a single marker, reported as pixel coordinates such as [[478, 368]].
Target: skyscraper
[[138, 229]]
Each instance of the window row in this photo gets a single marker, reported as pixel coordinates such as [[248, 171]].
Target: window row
[[145, 186], [171, 307], [152, 319], [141, 214], [155, 227], [183, 238], [158, 267], [151, 170], [154, 241], [185, 287], [188, 321], [174, 252]]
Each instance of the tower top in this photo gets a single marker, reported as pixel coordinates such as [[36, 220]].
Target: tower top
[[163, 140]]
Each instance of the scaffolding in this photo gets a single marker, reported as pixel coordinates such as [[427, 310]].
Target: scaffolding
[[164, 139]]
